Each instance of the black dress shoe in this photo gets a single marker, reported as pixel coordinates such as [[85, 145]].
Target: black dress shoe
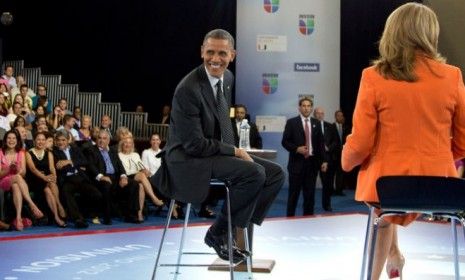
[[80, 223], [217, 242]]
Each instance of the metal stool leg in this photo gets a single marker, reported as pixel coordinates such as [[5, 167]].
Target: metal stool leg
[[366, 247], [163, 238], [247, 248], [230, 235], [455, 247], [373, 246], [183, 235]]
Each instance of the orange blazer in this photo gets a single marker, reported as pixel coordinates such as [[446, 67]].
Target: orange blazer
[[402, 128]]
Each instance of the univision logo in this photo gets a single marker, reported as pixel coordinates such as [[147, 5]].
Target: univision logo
[[306, 24], [270, 83], [271, 6]]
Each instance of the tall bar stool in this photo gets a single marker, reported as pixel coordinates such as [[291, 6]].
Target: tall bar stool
[[431, 195], [231, 265]]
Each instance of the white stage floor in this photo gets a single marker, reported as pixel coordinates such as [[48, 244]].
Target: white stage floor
[[322, 248]]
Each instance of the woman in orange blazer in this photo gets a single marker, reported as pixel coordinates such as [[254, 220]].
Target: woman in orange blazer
[[409, 118]]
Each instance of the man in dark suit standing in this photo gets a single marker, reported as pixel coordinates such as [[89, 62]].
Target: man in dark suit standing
[[303, 139], [341, 178], [201, 147], [109, 175], [71, 165], [331, 145], [240, 113]]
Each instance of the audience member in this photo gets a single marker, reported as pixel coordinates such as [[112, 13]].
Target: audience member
[[13, 170], [63, 103], [303, 139], [68, 125], [19, 82], [8, 75], [41, 98], [165, 114], [77, 117], [149, 156], [341, 178], [136, 170], [24, 134], [109, 175], [42, 177], [3, 106], [72, 179], [85, 129], [105, 124], [55, 119], [330, 149], [409, 119]]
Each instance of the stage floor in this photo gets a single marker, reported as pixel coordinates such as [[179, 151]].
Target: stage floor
[[322, 247]]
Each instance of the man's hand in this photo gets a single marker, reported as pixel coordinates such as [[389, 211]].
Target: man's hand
[[62, 163], [303, 150], [123, 181], [242, 154], [106, 179]]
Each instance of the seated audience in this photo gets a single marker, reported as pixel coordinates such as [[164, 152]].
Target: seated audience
[[54, 119], [42, 177], [72, 179], [135, 169], [13, 170], [85, 128], [109, 175], [149, 156]]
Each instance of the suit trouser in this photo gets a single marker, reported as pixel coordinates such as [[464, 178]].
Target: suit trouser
[[254, 186], [327, 182], [305, 181], [128, 194], [339, 177], [77, 184]]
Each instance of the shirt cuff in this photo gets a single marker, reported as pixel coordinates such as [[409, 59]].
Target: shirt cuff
[[99, 176]]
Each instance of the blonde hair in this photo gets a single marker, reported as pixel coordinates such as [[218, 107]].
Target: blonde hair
[[121, 143], [412, 28]]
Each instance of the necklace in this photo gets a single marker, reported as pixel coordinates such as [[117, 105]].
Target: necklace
[[36, 153]]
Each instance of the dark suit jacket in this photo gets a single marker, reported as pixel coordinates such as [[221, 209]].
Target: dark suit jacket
[[255, 138], [97, 163], [194, 137], [331, 141], [345, 133], [294, 136], [79, 163]]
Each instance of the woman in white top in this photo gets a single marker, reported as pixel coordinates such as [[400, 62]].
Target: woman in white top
[[149, 156], [135, 168]]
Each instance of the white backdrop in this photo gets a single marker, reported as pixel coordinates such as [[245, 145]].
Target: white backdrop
[[286, 49]]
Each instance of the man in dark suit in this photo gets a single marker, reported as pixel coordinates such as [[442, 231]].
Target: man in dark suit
[[331, 145], [240, 113], [71, 164], [303, 139], [109, 175], [341, 178], [201, 147]]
